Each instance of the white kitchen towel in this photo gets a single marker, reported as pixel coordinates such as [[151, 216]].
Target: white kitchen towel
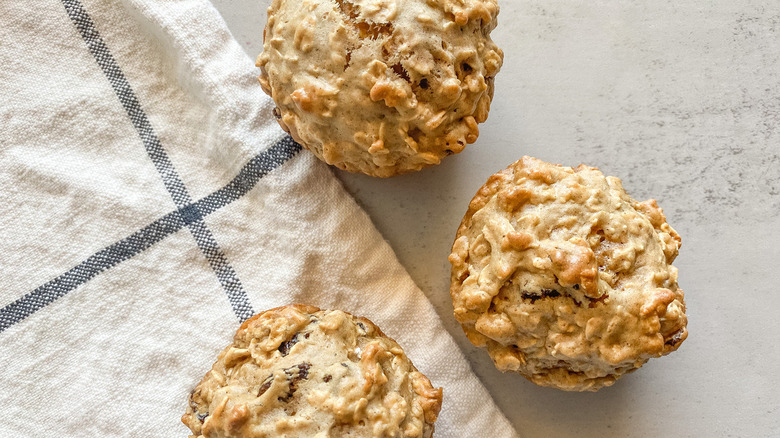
[[148, 204]]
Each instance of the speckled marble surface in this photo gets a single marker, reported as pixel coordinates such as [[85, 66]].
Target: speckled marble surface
[[681, 100]]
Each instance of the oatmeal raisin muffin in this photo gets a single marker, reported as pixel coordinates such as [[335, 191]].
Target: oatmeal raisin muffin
[[565, 278], [381, 87], [298, 371]]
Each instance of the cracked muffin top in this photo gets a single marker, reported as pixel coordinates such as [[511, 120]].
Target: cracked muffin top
[[298, 371], [565, 278], [381, 87]]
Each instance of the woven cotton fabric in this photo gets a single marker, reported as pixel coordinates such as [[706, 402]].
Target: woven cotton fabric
[[150, 203]]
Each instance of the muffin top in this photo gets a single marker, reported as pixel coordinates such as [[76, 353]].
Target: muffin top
[[382, 87], [564, 277], [298, 371]]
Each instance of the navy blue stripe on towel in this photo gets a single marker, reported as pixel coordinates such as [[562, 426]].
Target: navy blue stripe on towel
[[173, 183], [137, 242]]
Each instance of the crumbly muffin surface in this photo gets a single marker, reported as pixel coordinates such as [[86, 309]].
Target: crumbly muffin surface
[[298, 371], [565, 278], [382, 87]]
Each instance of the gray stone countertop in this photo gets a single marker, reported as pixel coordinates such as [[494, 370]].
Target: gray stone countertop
[[681, 100]]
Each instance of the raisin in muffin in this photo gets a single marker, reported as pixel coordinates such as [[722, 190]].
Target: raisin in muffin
[[382, 87], [565, 278], [298, 371]]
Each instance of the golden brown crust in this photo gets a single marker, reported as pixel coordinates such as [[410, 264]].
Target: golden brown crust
[[298, 371], [382, 87], [564, 277]]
